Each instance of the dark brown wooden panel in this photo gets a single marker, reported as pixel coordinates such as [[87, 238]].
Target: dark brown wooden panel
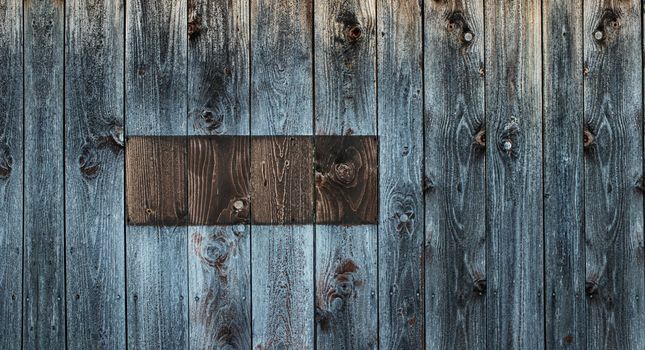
[[282, 179], [218, 180], [346, 174], [156, 180]]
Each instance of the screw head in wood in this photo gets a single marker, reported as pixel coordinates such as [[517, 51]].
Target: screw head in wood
[[238, 205], [507, 145], [468, 36], [404, 218], [598, 35]]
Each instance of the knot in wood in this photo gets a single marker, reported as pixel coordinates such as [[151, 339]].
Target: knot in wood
[[480, 138], [344, 174], [587, 138], [591, 288], [479, 286], [193, 27], [354, 33], [6, 161]]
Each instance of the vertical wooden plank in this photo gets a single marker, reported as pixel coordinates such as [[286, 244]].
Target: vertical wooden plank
[[219, 259], [95, 241], [613, 158], [44, 236], [400, 126], [11, 171], [281, 104], [514, 261], [156, 257], [345, 95], [564, 261], [455, 144]]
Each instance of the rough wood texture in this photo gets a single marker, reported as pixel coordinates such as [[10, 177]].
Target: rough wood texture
[[44, 202], [218, 180], [345, 96], [400, 125], [95, 242], [613, 175], [156, 257], [346, 287], [218, 67], [282, 180], [346, 178], [455, 255], [345, 54], [281, 104], [564, 260], [514, 297], [11, 171], [156, 181]]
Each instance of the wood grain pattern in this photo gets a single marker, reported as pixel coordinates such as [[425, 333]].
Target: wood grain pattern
[[345, 69], [613, 158], [44, 202], [94, 179], [11, 173], [346, 178], [218, 180], [281, 104], [345, 104], [282, 180], [455, 141], [346, 287], [515, 291], [156, 181], [156, 257], [400, 125], [564, 269]]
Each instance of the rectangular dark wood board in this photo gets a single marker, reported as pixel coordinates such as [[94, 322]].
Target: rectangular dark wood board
[[282, 180], [346, 177], [156, 180], [218, 180]]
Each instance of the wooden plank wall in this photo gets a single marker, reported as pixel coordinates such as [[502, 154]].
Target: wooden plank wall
[[510, 163]]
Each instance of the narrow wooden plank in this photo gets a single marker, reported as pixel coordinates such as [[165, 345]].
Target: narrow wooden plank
[[281, 104], [455, 276], [345, 95], [346, 178], [155, 180], [44, 202], [613, 156], [156, 257], [400, 129], [281, 180], [11, 171], [515, 293], [218, 180], [94, 180], [564, 261]]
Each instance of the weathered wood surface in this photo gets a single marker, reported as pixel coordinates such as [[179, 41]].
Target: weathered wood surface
[[454, 189], [219, 260], [564, 269], [282, 104], [613, 156], [94, 179], [345, 103], [282, 180], [400, 126], [44, 203], [515, 291], [156, 257], [11, 173]]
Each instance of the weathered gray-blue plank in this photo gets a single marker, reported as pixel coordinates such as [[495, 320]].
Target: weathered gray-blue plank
[[95, 232], [345, 104], [564, 269], [218, 103], [156, 257], [455, 255], [282, 104], [515, 293], [400, 127], [11, 171], [613, 156], [44, 202]]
